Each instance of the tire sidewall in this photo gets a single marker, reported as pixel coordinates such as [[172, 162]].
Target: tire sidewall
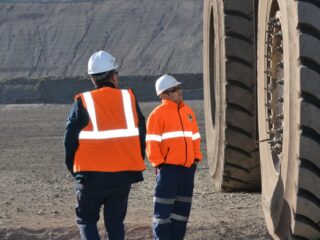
[[278, 188], [214, 127]]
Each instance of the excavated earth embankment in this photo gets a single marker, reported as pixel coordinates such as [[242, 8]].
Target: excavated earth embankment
[[45, 45], [56, 38], [62, 90]]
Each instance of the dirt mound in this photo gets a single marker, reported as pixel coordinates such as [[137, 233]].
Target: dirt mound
[[40, 38]]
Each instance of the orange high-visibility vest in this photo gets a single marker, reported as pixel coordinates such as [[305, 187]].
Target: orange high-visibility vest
[[172, 135], [110, 141]]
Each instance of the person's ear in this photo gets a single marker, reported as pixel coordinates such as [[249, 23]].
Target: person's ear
[[163, 96], [113, 77]]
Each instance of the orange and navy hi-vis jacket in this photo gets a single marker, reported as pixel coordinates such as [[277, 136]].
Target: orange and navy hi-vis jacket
[[110, 141], [172, 135]]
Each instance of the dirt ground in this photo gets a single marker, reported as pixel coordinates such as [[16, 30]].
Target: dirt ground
[[37, 193]]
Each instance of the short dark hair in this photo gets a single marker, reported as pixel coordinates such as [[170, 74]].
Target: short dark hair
[[103, 77]]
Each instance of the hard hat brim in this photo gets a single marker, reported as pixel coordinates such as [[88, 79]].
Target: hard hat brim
[[97, 72], [177, 84]]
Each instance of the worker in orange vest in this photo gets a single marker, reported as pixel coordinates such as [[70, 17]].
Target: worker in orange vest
[[173, 148], [105, 147]]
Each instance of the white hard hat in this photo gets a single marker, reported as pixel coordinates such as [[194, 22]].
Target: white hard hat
[[165, 82], [100, 62]]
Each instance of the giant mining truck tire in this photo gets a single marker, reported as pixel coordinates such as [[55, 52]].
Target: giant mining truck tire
[[289, 116], [229, 59]]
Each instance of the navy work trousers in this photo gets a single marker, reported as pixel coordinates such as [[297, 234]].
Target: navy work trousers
[[90, 199], [172, 201]]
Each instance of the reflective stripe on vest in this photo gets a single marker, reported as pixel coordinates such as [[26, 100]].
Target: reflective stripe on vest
[[168, 135], [130, 131]]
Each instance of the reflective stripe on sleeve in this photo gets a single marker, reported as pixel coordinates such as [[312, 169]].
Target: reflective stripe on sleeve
[[163, 200], [196, 136], [184, 199]]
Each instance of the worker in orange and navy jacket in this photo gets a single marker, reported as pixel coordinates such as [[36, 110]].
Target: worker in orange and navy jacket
[[173, 148], [105, 148]]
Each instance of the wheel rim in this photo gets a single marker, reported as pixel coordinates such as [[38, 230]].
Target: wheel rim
[[274, 88]]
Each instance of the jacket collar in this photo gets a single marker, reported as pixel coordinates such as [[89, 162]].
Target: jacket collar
[[106, 84], [172, 104]]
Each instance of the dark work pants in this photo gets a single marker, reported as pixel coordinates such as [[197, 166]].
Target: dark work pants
[[90, 199], [172, 201]]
